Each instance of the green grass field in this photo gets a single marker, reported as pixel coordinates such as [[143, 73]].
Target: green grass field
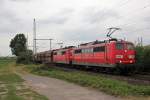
[[11, 85], [110, 86]]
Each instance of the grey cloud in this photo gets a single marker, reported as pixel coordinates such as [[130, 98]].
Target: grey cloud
[[67, 11], [1, 1], [94, 15], [8, 16], [83, 34], [11, 23], [59, 18], [76, 23], [8, 21], [54, 20], [20, 0], [146, 20]]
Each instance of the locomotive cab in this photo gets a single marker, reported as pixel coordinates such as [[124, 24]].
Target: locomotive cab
[[124, 52]]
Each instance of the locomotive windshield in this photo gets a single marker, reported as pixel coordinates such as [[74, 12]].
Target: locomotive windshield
[[119, 46], [130, 46]]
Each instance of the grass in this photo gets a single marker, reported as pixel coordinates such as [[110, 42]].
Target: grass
[[110, 86], [11, 85]]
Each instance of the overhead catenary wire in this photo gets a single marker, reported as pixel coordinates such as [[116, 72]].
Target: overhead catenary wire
[[136, 11], [126, 24]]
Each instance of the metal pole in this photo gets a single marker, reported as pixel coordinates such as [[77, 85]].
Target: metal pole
[[61, 44], [27, 42], [138, 41], [34, 36], [50, 44], [141, 41]]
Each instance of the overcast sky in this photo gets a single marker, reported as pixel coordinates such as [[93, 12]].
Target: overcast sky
[[73, 21]]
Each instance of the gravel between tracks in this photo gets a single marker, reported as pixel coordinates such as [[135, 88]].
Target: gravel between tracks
[[56, 89]]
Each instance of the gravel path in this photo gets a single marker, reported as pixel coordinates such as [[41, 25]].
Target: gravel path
[[56, 89]]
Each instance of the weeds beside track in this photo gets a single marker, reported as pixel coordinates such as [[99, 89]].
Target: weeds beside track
[[135, 79], [106, 84]]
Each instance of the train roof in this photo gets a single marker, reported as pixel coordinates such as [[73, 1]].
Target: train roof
[[84, 45], [65, 48], [96, 43], [43, 52]]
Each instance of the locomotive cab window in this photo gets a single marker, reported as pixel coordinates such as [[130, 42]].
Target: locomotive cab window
[[119, 46], [130, 46]]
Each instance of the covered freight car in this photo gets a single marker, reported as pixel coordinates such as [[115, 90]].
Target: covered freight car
[[43, 57]]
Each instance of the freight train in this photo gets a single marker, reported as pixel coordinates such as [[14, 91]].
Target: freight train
[[108, 54]]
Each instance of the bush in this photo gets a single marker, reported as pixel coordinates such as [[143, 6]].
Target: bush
[[139, 54], [142, 59], [146, 59], [25, 57]]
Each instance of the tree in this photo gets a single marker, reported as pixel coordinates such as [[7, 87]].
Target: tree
[[19, 48], [18, 44], [25, 57]]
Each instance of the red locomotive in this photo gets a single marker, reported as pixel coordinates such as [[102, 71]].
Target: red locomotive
[[105, 54], [109, 53]]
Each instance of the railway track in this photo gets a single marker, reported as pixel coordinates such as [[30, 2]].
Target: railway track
[[136, 79]]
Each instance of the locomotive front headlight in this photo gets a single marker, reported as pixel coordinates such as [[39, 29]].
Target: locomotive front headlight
[[119, 56], [131, 56]]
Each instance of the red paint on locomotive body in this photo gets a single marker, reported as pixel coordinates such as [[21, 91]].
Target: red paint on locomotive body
[[108, 53], [126, 52], [62, 56]]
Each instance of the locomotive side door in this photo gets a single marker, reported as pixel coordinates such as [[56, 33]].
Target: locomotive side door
[[107, 56], [70, 56]]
